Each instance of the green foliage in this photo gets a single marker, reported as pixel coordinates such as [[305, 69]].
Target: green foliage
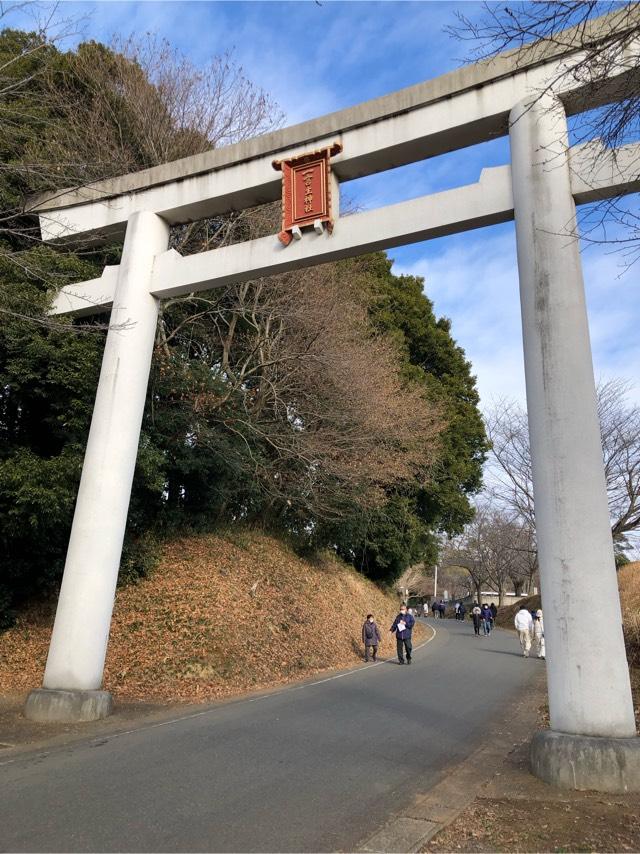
[[47, 384], [620, 556]]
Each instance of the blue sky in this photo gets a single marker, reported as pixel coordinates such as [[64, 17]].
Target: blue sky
[[315, 59]]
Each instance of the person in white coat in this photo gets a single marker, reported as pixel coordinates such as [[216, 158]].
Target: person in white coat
[[524, 627], [538, 633]]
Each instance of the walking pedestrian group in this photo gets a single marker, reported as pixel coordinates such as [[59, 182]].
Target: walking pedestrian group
[[439, 609], [529, 626]]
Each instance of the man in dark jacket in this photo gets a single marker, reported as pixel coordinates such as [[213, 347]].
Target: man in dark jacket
[[370, 637], [402, 626], [487, 619]]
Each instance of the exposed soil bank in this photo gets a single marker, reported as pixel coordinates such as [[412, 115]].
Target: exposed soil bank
[[219, 616]]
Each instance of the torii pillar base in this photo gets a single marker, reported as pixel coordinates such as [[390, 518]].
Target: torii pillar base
[[51, 705], [585, 762]]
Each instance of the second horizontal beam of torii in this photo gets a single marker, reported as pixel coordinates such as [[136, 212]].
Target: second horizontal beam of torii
[[596, 174]]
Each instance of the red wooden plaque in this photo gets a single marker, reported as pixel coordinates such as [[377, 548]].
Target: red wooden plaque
[[306, 190]]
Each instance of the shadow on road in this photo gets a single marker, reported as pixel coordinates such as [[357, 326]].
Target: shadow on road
[[507, 652]]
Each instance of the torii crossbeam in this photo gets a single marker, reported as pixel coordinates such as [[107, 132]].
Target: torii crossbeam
[[525, 93]]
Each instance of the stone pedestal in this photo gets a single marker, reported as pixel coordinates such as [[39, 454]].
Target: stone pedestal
[[586, 762], [47, 705]]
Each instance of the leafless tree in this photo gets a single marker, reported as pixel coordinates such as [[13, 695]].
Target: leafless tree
[[509, 475], [523, 569], [297, 359], [102, 112], [607, 35], [494, 550], [140, 103], [620, 430], [469, 551], [419, 580]]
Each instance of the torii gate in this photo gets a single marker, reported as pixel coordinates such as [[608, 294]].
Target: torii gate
[[525, 93]]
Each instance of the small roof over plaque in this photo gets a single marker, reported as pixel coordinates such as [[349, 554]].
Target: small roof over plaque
[[306, 191]]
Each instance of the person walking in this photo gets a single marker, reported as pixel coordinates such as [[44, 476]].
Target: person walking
[[456, 608], [442, 608], [476, 616], [402, 626], [435, 610], [524, 625], [370, 637], [425, 609], [494, 613], [487, 619], [461, 611], [538, 634]]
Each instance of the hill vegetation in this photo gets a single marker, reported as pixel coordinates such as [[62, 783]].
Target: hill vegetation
[[220, 615]]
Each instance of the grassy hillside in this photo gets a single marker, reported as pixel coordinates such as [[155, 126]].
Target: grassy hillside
[[220, 615]]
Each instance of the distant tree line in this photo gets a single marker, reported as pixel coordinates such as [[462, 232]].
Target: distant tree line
[[330, 405]]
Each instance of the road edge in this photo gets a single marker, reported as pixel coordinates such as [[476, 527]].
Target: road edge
[[412, 828]]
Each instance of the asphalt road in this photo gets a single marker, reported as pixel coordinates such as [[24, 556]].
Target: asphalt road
[[314, 767]]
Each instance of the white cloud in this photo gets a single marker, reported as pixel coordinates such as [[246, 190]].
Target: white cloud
[[473, 280]]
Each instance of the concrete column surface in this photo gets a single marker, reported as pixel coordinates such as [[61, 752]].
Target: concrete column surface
[[589, 689], [81, 630]]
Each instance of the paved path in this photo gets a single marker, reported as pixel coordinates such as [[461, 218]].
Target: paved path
[[316, 767]]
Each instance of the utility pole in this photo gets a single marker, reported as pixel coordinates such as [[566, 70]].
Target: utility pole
[[435, 582]]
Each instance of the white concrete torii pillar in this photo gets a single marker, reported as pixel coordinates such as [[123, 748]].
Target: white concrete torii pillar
[[73, 675], [592, 740]]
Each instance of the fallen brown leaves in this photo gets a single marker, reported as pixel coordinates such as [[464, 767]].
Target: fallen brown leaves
[[525, 826], [219, 616]]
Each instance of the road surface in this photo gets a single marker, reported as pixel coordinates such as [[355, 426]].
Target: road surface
[[314, 767]]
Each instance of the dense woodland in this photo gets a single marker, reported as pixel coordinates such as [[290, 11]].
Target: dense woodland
[[328, 406]]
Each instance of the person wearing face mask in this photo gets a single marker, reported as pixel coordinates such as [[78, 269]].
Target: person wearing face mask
[[402, 626], [370, 637]]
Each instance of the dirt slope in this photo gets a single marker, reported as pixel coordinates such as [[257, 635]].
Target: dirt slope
[[219, 616]]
